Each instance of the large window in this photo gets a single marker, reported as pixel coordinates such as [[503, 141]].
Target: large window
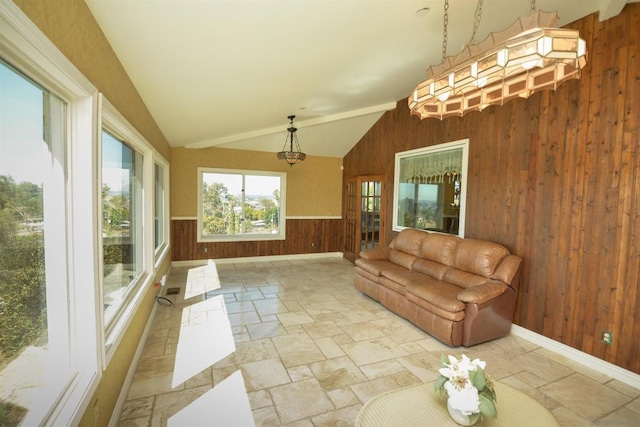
[[430, 188], [122, 220], [31, 209], [75, 261], [46, 360], [240, 205], [160, 205], [127, 212]]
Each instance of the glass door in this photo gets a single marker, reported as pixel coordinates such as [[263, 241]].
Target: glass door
[[364, 214]]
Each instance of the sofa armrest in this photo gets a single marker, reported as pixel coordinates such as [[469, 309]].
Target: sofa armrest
[[482, 293], [376, 254], [509, 270]]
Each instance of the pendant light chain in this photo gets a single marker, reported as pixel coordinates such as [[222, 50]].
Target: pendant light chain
[[476, 20], [445, 34], [476, 23]]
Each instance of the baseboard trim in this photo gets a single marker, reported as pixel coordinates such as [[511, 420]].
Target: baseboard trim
[[581, 357], [124, 391], [268, 258]]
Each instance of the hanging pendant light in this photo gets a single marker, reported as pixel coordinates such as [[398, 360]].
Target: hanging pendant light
[[291, 156], [530, 56]]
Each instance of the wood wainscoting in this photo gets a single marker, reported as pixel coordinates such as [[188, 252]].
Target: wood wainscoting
[[556, 179], [304, 236]]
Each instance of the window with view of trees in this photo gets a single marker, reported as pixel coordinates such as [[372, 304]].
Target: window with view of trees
[[121, 222], [241, 205], [430, 188], [34, 340]]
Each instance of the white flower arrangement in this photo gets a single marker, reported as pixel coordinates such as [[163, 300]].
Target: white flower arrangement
[[469, 388]]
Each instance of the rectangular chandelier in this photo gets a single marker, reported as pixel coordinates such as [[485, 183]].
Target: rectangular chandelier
[[527, 57]]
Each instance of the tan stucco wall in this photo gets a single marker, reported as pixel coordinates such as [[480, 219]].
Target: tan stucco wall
[[314, 186], [71, 27]]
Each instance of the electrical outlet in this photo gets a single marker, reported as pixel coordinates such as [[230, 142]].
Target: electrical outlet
[[206, 249], [313, 244], [606, 337]]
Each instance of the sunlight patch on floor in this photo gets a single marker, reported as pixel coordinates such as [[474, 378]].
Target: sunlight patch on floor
[[227, 404], [201, 280], [205, 338]]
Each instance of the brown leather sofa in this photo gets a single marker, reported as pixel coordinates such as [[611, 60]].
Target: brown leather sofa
[[460, 291]]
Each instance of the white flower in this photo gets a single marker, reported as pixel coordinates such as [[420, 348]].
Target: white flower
[[465, 400], [460, 368]]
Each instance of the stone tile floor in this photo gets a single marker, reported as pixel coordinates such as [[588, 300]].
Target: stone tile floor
[[312, 350]]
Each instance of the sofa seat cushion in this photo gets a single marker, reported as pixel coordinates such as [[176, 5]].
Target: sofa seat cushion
[[374, 267], [397, 278], [394, 286], [364, 273], [402, 276], [426, 306], [440, 294]]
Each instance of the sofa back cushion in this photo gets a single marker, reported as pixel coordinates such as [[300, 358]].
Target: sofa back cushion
[[440, 248], [463, 279], [430, 268], [478, 257], [401, 258], [408, 241]]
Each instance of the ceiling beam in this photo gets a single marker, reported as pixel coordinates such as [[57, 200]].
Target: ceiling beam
[[311, 122], [610, 8]]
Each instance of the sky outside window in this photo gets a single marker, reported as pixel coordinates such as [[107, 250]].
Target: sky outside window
[[20, 108]]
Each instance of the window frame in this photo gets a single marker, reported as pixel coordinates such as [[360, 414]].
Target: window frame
[[29, 51], [162, 250], [113, 122], [453, 145], [243, 237]]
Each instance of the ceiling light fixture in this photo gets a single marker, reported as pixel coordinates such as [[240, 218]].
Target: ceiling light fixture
[[291, 156], [530, 56]]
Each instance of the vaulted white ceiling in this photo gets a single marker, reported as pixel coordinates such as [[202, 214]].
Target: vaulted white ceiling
[[228, 73]]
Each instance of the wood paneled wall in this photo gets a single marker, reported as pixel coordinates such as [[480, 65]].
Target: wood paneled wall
[[324, 234], [556, 179]]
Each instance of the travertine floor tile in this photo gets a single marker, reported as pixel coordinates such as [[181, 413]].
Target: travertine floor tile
[[294, 318], [266, 329], [311, 350], [300, 400], [337, 373], [340, 418], [297, 349], [423, 365], [137, 408], [585, 396], [362, 331], [343, 397], [266, 417], [320, 329], [370, 389], [264, 374], [375, 350]]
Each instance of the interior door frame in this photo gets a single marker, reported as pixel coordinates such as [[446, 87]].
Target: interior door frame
[[354, 215]]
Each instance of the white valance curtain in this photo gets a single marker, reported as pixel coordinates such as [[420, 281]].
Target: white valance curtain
[[432, 168]]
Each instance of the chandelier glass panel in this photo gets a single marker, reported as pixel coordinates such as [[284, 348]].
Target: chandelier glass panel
[[527, 57]]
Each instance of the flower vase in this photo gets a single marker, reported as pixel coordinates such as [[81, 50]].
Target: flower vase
[[460, 418]]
